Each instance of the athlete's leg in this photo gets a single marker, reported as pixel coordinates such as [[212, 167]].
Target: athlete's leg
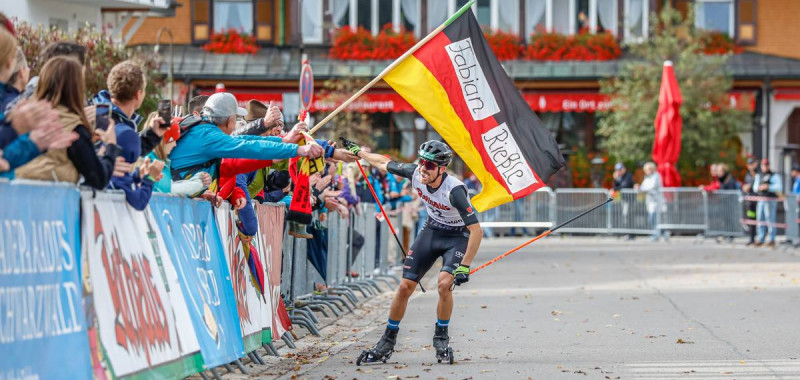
[[445, 306], [400, 301]]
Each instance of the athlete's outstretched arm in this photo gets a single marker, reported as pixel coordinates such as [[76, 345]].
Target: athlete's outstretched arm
[[377, 160]]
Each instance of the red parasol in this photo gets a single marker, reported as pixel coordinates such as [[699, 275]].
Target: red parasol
[[667, 144]]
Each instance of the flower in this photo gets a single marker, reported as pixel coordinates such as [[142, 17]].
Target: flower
[[360, 44], [231, 42], [583, 46], [506, 46]]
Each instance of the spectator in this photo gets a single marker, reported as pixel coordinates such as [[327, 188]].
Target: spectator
[[714, 171], [622, 178], [30, 127], [767, 185], [126, 92], [796, 179], [261, 119], [16, 82], [749, 190], [726, 180], [55, 49], [197, 184], [277, 186], [62, 84], [651, 186], [205, 141]]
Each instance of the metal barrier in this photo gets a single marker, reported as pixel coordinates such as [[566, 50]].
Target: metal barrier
[[571, 202], [534, 211], [792, 206], [725, 211], [684, 209], [628, 213]]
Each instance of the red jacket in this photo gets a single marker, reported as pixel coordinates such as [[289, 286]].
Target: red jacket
[[228, 170]]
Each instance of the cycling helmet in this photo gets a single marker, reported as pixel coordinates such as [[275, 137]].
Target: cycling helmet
[[436, 151]]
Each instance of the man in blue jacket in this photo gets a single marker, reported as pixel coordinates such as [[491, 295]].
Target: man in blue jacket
[[205, 141]]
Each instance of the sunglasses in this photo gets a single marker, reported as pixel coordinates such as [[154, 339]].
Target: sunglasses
[[428, 165]]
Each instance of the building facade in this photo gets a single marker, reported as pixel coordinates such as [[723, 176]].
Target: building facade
[[564, 94]]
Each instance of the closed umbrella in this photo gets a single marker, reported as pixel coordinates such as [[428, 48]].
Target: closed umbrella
[[667, 144]]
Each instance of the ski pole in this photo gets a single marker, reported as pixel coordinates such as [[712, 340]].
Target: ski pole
[[369, 184], [548, 232]]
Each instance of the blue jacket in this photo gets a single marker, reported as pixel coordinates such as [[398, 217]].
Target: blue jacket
[[21, 151], [206, 142], [796, 186], [137, 191], [7, 133]]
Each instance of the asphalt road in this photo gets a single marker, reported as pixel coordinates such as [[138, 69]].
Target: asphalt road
[[587, 308]]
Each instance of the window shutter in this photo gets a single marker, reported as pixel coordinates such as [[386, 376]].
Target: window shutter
[[265, 21], [683, 6], [746, 27], [201, 20]]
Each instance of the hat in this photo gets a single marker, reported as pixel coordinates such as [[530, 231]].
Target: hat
[[174, 132], [619, 166], [764, 161], [278, 179], [796, 167], [255, 110], [751, 159], [223, 104]]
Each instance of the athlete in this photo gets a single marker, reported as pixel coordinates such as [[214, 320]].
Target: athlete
[[452, 232]]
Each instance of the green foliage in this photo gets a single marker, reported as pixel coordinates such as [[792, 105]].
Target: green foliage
[[102, 53], [710, 125]]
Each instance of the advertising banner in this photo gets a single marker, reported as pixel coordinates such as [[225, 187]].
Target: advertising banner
[[270, 243], [133, 291], [191, 237], [43, 328]]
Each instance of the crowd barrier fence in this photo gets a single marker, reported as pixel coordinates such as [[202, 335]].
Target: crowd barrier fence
[[175, 290]]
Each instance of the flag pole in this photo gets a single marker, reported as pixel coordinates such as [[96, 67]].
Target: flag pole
[[548, 232], [392, 66]]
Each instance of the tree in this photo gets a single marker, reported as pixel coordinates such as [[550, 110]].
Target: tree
[[349, 124], [710, 124], [102, 53]]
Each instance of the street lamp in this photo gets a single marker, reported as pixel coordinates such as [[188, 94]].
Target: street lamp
[[171, 57]]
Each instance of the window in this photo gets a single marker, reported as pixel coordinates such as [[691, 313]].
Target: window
[[570, 16], [483, 12], [233, 14], [505, 16], [311, 22], [265, 20], [636, 19], [437, 14], [58, 24], [373, 15], [715, 15]]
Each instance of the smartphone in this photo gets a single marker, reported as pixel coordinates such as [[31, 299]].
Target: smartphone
[[102, 112], [165, 112]]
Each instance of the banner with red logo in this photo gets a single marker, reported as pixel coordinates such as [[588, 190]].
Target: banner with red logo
[[253, 306], [270, 243], [135, 293]]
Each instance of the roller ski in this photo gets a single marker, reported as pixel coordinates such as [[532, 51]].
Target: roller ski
[[441, 342], [382, 351]]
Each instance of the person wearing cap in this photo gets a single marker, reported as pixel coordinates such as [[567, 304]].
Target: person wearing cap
[[622, 178], [206, 140], [767, 185], [749, 191]]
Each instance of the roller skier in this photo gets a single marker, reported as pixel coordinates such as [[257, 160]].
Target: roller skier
[[452, 232]]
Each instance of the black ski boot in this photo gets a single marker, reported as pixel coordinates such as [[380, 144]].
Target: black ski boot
[[441, 342], [382, 351]]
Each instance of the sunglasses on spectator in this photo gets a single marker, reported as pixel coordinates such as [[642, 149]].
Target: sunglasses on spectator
[[429, 165]]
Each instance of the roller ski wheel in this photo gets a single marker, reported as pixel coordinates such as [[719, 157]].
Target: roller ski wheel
[[441, 342], [382, 351], [446, 356]]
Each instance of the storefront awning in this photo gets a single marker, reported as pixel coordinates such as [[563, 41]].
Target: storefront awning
[[592, 101], [388, 101], [384, 101], [787, 94]]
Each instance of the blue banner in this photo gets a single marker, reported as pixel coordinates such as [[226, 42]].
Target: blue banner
[[192, 238], [42, 324]]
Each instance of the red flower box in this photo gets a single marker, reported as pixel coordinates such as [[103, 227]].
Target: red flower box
[[506, 46], [719, 43], [361, 45], [583, 46], [231, 42]]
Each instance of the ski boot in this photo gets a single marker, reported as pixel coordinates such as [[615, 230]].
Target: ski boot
[[441, 342], [382, 351]]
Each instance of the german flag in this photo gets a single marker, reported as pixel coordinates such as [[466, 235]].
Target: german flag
[[457, 84]]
